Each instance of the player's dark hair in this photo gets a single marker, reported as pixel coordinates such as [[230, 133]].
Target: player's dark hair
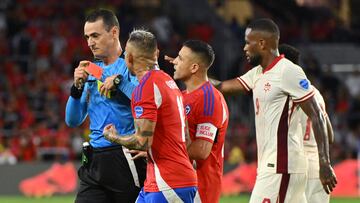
[[290, 52], [203, 50], [109, 18], [144, 41], [265, 25]]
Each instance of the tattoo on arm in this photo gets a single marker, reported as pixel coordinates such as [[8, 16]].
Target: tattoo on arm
[[131, 142], [141, 140], [142, 128], [147, 133]]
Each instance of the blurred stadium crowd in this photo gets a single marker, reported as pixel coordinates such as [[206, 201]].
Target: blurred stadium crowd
[[41, 44]]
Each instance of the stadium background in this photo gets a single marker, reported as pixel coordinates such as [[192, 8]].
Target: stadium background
[[41, 42]]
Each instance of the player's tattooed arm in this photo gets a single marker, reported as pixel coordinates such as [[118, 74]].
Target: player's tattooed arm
[[141, 140]]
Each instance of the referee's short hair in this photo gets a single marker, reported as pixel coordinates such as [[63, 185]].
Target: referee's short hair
[[109, 18]]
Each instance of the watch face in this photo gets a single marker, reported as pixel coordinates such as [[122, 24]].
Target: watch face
[[117, 81]]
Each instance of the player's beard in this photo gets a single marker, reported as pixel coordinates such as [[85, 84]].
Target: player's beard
[[255, 60]]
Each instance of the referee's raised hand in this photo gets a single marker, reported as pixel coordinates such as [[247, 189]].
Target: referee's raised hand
[[107, 85], [80, 74]]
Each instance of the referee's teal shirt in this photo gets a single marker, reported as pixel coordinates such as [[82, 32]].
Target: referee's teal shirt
[[103, 110]]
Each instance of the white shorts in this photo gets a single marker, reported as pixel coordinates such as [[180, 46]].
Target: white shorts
[[197, 197], [313, 163], [315, 192], [279, 188]]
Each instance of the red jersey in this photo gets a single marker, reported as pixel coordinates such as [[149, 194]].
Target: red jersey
[[208, 118], [157, 98]]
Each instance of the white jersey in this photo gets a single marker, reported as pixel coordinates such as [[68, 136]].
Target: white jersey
[[276, 91], [310, 145]]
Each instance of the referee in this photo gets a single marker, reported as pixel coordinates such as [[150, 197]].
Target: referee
[[108, 173]]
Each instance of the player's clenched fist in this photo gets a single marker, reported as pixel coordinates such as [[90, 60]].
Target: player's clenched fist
[[80, 74], [110, 132]]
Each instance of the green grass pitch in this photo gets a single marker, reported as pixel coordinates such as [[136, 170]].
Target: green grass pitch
[[70, 199]]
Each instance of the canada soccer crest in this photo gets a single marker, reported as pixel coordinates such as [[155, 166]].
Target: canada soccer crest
[[267, 87]]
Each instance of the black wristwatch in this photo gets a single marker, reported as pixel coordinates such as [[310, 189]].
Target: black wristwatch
[[117, 80]]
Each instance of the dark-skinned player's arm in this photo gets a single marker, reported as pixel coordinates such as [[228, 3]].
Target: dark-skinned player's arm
[[327, 175], [228, 87], [140, 140], [330, 130]]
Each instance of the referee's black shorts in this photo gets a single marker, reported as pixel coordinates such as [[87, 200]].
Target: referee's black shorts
[[111, 177]]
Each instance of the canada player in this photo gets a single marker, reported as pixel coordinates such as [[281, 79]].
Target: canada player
[[278, 85], [160, 126], [207, 115]]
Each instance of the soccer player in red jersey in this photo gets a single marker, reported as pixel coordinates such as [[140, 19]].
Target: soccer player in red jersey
[[207, 115], [157, 107]]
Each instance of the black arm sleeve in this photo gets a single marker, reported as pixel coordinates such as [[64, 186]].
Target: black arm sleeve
[[75, 92]]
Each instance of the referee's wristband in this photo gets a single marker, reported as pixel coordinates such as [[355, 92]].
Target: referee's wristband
[[75, 92]]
